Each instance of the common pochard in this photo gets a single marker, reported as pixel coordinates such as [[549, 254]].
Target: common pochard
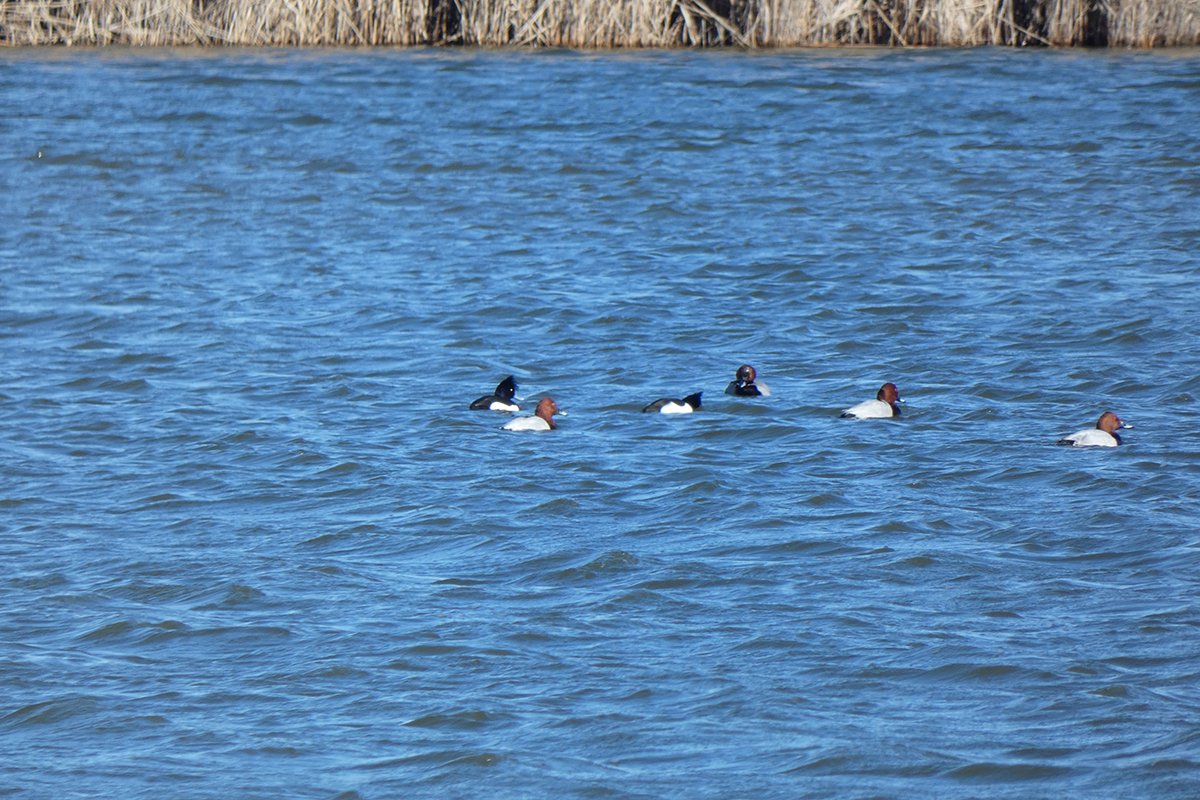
[[884, 406], [1103, 435], [542, 419], [744, 383]]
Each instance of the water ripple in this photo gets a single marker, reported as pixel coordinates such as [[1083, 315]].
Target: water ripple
[[256, 543]]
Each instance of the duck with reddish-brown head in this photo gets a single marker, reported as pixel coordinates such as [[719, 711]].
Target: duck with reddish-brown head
[[884, 406], [1103, 435], [746, 384], [542, 419]]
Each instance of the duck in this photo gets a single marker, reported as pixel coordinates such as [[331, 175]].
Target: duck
[[501, 399], [744, 385], [542, 419], [884, 406], [1103, 435], [666, 405]]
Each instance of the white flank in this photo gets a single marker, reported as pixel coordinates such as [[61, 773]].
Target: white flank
[[870, 409], [1092, 437], [527, 424], [676, 408]]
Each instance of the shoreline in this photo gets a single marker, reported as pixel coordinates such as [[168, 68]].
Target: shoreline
[[603, 24]]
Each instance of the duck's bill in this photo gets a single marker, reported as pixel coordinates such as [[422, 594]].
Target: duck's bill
[[1126, 424], [562, 413]]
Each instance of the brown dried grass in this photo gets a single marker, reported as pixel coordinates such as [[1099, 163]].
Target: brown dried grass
[[601, 23]]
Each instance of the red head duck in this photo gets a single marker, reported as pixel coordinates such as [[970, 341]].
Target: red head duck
[[1103, 435], [884, 406], [745, 383], [542, 419]]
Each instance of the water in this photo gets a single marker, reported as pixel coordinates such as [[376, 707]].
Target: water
[[256, 546]]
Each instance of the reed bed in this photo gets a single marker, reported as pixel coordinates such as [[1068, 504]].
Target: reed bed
[[602, 23]]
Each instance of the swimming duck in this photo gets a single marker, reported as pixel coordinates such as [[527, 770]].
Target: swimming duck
[[884, 405], [1103, 435], [501, 400], [542, 420], [668, 406], [743, 383]]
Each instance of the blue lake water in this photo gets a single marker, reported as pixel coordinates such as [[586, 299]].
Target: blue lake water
[[255, 544]]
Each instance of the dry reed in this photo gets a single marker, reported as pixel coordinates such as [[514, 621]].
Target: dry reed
[[602, 23]]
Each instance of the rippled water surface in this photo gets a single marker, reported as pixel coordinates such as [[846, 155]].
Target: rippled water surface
[[255, 545]]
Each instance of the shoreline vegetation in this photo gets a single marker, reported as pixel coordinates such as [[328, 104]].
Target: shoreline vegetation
[[601, 24]]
